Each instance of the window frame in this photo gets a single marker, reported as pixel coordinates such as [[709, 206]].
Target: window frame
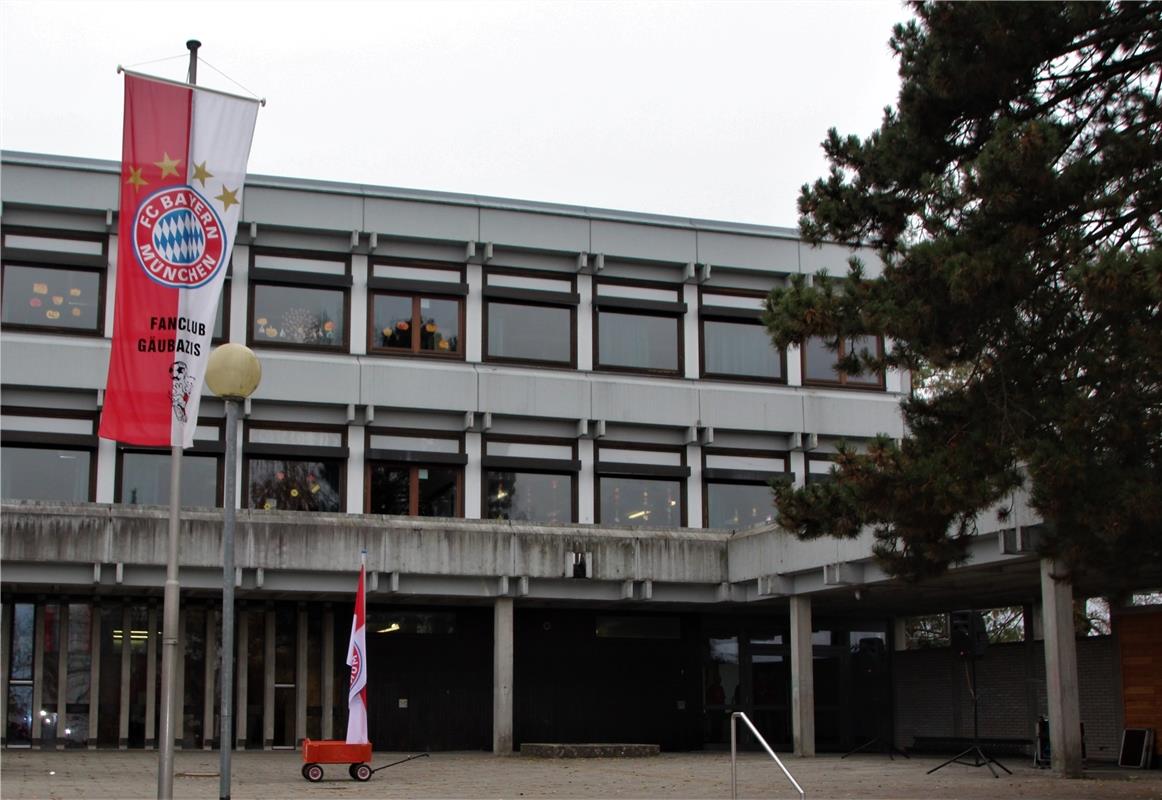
[[294, 452], [510, 295], [201, 447], [821, 477], [43, 440], [537, 466], [675, 310], [754, 316], [54, 259], [267, 276], [414, 461], [417, 290], [844, 381], [740, 477], [617, 469]]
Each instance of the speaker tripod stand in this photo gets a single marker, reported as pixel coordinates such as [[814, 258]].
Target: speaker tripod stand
[[979, 757]]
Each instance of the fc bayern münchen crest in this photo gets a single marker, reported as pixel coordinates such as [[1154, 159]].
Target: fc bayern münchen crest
[[178, 238]]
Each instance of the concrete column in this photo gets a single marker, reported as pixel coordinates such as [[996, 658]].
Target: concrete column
[[356, 460], [239, 301], [301, 677], [94, 672], [5, 655], [126, 652], [586, 483], [690, 322], [151, 679], [694, 511], [62, 673], [37, 672], [358, 335], [502, 639], [268, 683], [241, 675], [474, 315], [585, 323], [473, 476], [802, 678], [328, 667], [208, 681], [794, 366], [1061, 672], [798, 465], [899, 634]]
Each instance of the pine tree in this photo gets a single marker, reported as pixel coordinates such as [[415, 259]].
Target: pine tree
[[1014, 196]]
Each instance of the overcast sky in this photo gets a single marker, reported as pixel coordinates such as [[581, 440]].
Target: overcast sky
[[712, 110]]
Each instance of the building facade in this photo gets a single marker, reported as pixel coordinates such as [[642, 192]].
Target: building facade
[[552, 429]]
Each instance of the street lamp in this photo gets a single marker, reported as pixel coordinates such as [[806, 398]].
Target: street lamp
[[232, 373]]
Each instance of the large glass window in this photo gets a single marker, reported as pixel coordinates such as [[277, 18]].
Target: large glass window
[[530, 480], [415, 473], [296, 469], [530, 319], [299, 300], [819, 362], [18, 726], [143, 475], [53, 281], [641, 487], [416, 309], [47, 457], [738, 486], [735, 344], [638, 327]]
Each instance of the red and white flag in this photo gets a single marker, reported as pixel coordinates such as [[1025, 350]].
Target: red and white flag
[[357, 660], [183, 162]]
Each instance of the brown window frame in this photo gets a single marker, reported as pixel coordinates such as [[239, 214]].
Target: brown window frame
[[737, 477], [294, 452], [844, 381], [42, 440], [820, 477], [614, 469], [265, 276], [55, 260], [417, 290], [201, 447], [414, 460], [742, 316], [535, 298], [675, 310], [538, 466]]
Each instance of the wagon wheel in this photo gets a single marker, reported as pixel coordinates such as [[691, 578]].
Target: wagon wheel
[[361, 772], [313, 772], [351, 771]]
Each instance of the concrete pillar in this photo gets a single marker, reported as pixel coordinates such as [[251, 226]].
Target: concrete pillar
[[474, 315], [301, 678], [209, 706], [798, 465], [1061, 672], [473, 476], [358, 312], [268, 683], [328, 667], [37, 672], [126, 652], [690, 320], [586, 483], [241, 675], [694, 510], [502, 640], [899, 634], [151, 679], [802, 678], [356, 458], [585, 322], [62, 673], [94, 672]]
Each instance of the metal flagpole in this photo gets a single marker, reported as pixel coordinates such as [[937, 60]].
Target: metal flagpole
[[169, 634]]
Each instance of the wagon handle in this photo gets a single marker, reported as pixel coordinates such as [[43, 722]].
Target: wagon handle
[[401, 761]]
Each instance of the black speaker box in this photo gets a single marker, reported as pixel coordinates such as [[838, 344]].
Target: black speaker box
[[967, 634]]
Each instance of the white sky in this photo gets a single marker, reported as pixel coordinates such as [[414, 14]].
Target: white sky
[[700, 109]]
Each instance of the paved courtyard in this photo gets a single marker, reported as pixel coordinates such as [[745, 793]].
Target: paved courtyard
[[110, 774]]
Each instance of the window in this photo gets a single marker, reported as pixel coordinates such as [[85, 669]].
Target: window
[[48, 455], [53, 281], [143, 475], [819, 362], [529, 319], [638, 327], [738, 486], [528, 479], [415, 474], [820, 467], [299, 299], [641, 486], [298, 468], [416, 310], [735, 345]]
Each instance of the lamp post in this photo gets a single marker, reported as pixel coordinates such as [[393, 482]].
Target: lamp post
[[232, 373]]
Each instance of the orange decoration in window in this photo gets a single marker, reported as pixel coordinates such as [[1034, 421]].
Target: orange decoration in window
[[35, 302], [328, 326], [52, 314], [443, 345], [402, 325], [57, 299], [74, 292], [430, 327], [40, 288]]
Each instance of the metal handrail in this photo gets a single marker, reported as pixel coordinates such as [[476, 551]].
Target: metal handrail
[[734, 755]]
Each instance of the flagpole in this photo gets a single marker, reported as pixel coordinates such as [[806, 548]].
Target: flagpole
[[170, 619]]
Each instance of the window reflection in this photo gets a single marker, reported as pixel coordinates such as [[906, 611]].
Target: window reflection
[[741, 349], [645, 502], [297, 315], [145, 479], [295, 485], [35, 473], [638, 341], [530, 496], [529, 333], [435, 488], [738, 505]]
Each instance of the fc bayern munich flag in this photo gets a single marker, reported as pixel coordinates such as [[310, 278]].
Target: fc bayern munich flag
[[182, 166], [357, 660]]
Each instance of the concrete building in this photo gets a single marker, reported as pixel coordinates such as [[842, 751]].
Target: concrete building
[[553, 431]]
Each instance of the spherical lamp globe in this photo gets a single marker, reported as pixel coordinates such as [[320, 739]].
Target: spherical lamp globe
[[233, 371]]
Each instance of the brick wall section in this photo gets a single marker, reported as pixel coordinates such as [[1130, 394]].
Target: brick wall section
[[932, 696]]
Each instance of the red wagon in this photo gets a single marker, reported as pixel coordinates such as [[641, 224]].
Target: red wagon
[[336, 751]]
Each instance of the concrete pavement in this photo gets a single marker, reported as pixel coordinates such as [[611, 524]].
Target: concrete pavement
[[110, 775]]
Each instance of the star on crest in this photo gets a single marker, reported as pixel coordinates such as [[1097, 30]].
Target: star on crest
[[229, 197], [135, 179], [201, 173], [167, 165]]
